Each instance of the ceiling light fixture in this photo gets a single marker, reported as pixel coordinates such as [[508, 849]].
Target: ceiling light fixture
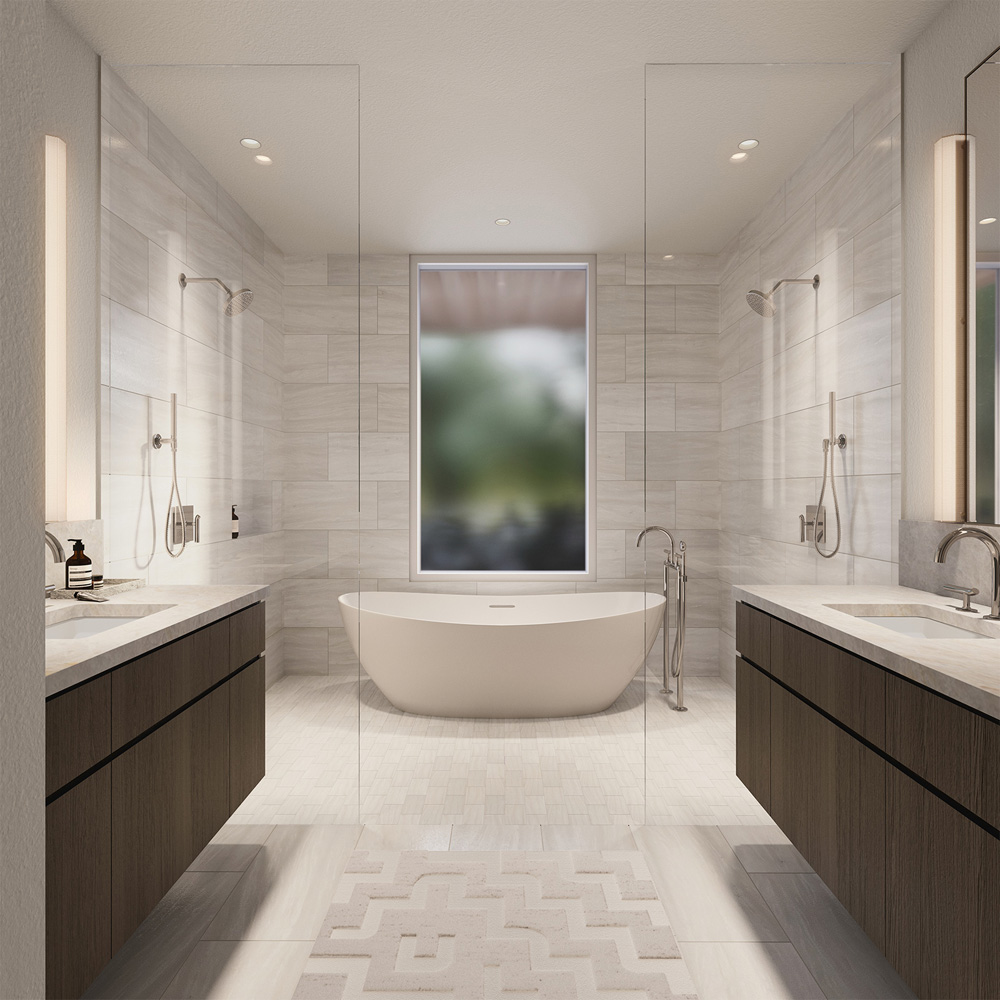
[[739, 157], [668, 256], [250, 143], [263, 160], [749, 144], [987, 222], [502, 222]]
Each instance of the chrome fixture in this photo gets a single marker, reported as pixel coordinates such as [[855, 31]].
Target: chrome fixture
[[992, 544], [673, 666], [182, 525], [236, 301], [816, 516], [58, 556], [761, 302], [966, 593]]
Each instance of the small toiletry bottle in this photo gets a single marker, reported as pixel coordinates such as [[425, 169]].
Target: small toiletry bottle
[[236, 523], [79, 568]]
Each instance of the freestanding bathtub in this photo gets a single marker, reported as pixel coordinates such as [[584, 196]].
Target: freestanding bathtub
[[502, 657]]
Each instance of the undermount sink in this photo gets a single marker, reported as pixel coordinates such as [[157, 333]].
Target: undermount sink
[[81, 622], [918, 620]]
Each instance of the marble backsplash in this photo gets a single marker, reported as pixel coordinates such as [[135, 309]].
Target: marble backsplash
[[968, 564]]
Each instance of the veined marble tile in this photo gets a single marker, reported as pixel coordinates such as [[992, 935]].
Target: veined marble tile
[[393, 504], [856, 356], [332, 408], [124, 111], [343, 458], [320, 505], [620, 407], [394, 310], [385, 269], [822, 165], [611, 455], [877, 108], [875, 258], [661, 310], [343, 358], [146, 357], [268, 293], [127, 275], [619, 504], [763, 225], [313, 603], [733, 290], [211, 251], [343, 269], [385, 456], [872, 441], [792, 249], [740, 401], [835, 295], [619, 309], [681, 269], [306, 651], [611, 269], [385, 359], [698, 504], [697, 309], [788, 380], [697, 407], [681, 358], [860, 194], [143, 197], [262, 399], [666, 403], [393, 408], [306, 554], [295, 456], [306, 269], [385, 553], [231, 216], [610, 358], [682, 455], [177, 163], [306, 359]]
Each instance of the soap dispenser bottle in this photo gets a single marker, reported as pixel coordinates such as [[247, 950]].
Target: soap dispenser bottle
[[79, 568], [236, 523]]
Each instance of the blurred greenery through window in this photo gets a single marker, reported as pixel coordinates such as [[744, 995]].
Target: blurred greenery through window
[[503, 403]]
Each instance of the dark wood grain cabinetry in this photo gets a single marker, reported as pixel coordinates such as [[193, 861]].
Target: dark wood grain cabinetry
[[169, 744], [887, 789]]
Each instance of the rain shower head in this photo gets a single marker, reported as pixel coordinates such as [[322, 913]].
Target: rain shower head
[[763, 304], [236, 301]]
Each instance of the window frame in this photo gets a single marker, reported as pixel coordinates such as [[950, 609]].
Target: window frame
[[585, 262]]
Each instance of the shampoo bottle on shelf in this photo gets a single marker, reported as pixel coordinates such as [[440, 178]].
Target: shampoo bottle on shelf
[[79, 568], [236, 523]]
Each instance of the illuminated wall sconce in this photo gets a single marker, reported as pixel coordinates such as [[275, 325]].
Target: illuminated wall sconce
[[55, 329], [949, 329]]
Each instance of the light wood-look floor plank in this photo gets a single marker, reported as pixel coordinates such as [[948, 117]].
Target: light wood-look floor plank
[[764, 849], [240, 970], [757, 970]]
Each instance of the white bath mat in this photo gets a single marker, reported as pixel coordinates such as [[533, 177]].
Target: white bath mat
[[496, 925]]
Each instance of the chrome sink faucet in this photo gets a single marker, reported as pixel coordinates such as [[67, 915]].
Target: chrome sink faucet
[[994, 547], [58, 556]]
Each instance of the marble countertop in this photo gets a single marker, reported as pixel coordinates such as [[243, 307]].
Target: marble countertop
[[967, 670], [170, 612]]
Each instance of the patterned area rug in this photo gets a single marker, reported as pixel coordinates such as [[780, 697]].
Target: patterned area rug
[[546, 925]]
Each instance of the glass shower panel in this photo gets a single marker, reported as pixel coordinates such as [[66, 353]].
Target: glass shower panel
[[477, 700], [246, 176]]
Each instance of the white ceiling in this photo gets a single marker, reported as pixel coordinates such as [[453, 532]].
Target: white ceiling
[[475, 109]]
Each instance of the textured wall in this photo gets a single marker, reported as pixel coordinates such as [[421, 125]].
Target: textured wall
[[35, 100], [163, 214], [934, 69], [836, 215]]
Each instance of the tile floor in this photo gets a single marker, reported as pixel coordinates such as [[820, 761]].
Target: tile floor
[[751, 918]]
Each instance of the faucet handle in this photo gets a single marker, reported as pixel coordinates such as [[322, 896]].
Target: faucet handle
[[966, 593]]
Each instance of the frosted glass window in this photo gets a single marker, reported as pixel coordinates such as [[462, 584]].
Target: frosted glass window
[[502, 430]]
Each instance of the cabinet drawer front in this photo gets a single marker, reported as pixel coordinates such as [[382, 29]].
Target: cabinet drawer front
[[77, 731], [78, 886], [147, 690], [246, 636], [843, 685], [943, 888], [939, 740], [753, 635], [753, 731], [170, 795], [246, 732]]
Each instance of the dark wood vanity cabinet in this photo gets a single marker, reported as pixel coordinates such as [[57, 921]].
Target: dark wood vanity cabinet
[[887, 789], [144, 764]]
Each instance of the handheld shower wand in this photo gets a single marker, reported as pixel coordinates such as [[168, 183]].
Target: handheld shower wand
[[175, 513], [828, 444]]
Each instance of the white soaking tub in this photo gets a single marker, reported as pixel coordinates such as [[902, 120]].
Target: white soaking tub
[[502, 657]]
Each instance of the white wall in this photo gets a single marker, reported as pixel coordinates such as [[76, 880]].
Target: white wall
[[934, 69], [36, 99]]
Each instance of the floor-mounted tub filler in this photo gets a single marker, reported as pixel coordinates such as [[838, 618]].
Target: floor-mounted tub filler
[[542, 656]]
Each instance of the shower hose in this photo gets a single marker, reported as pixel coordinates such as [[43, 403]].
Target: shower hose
[[828, 451]]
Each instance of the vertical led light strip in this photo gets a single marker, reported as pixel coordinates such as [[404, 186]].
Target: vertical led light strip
[[949, 328], [55, 329]]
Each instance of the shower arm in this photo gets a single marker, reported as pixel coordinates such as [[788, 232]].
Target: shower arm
[[814, 281], [185, 280]]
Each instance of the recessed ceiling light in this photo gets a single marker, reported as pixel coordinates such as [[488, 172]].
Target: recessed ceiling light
[[668, 256], [749, 144], [739, 157], [264, 160], [502, 222], [986, 222], [250, 143]]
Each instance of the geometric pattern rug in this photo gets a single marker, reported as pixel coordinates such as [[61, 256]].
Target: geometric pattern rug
[[486, 925]]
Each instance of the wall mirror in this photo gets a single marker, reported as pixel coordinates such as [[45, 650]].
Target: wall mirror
[[982, 126]]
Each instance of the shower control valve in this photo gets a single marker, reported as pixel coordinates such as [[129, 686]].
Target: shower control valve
[[812, 522]]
